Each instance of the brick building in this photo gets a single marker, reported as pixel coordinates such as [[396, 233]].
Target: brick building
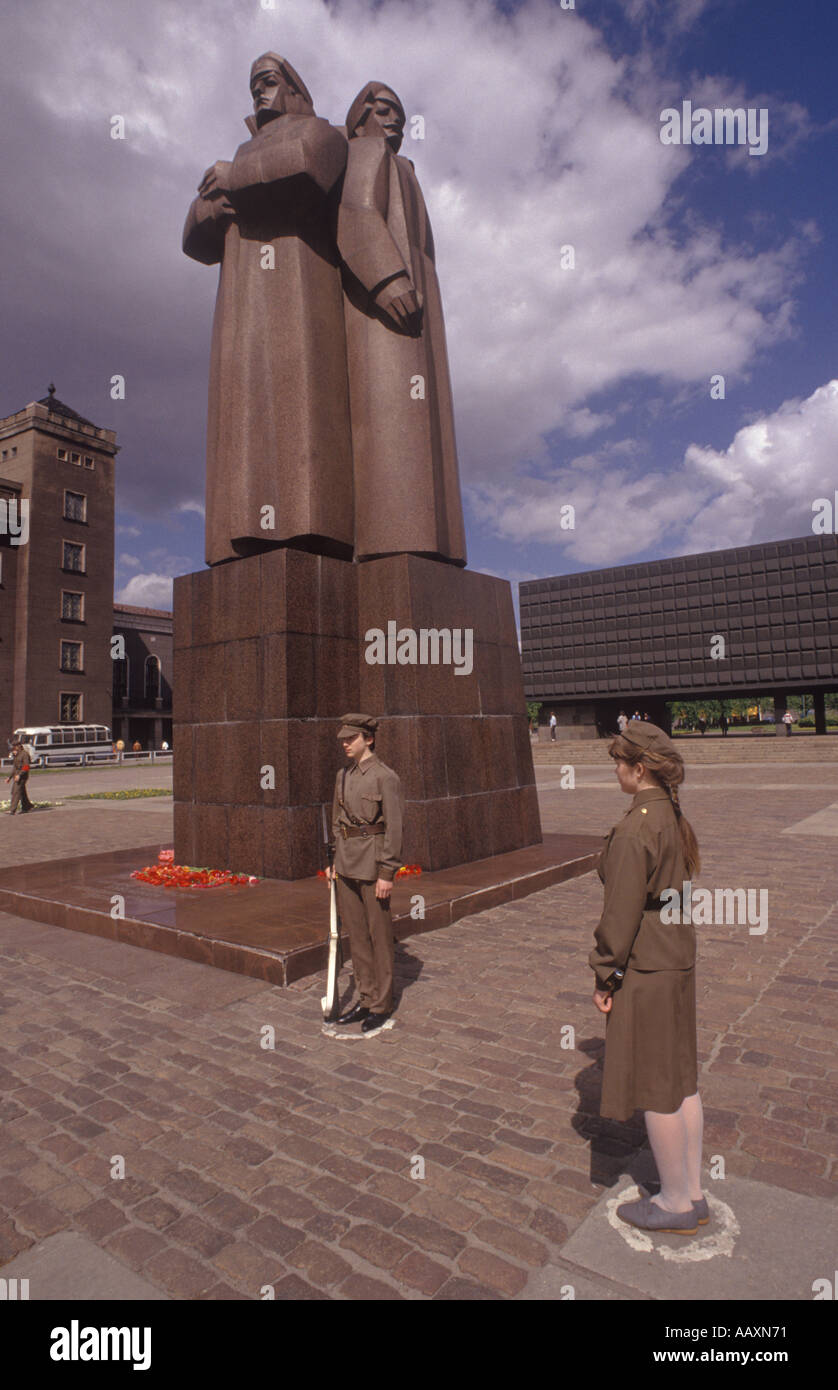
[[10, 495], [56, 589], [142, 690]]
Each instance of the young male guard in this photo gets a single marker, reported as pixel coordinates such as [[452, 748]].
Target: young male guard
[[367, 826]]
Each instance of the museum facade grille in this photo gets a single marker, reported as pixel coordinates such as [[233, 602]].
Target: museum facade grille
[[639, 636]]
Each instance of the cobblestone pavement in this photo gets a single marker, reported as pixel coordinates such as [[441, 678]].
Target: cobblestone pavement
[[294, 1167], [87, 827]]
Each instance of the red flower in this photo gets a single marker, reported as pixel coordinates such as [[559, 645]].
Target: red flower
[[170, 875]]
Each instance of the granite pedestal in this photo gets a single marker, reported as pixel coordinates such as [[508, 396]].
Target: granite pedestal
[[270, 651]]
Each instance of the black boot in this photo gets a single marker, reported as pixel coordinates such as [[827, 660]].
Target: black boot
[[374, 1021], [358, 1011]]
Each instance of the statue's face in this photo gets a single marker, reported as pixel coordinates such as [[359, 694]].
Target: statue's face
[[385, 118], [265, 87]]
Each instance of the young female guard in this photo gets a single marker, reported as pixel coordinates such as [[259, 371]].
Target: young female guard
[[645, 971]]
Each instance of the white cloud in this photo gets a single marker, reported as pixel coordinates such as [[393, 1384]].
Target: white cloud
[[768, 478], [127, 530], [130, 561], [761, 487], [191, 507], [536, 137], [147, 591]]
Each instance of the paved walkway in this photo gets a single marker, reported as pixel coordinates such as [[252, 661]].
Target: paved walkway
[[296, 1166], [87, 827]]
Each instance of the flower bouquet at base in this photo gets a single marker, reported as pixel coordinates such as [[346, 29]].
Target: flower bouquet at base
[[166, 874]]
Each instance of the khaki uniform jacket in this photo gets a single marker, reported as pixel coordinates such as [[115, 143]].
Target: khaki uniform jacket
[[20, 766], [642, 857], [372, 793]]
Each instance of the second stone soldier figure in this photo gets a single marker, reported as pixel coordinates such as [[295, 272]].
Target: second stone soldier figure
[[367, 826]]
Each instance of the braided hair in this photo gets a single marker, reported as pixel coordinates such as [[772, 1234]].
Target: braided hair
[[668, 771]]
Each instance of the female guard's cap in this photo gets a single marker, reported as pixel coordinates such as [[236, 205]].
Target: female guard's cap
[[351, 724], [649, 737]]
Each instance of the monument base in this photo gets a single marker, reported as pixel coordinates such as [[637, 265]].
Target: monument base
[[271, 931], [271, 650]]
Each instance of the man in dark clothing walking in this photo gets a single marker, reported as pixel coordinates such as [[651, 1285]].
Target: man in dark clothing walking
[[19, 776]]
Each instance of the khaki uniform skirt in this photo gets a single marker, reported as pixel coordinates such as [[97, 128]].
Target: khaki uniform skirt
[[651, 1058]]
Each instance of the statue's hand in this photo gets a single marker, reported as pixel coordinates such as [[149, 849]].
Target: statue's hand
[[402, 305], [216, 180]]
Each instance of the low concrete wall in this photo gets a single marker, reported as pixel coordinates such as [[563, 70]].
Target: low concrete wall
[[743, 748]]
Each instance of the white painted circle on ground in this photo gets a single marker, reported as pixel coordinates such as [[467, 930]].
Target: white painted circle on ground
[[720, 1241]]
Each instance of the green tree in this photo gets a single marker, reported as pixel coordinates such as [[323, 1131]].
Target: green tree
[[533, 710]]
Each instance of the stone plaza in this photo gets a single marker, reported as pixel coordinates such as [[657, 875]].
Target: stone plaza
[[457, 1154]]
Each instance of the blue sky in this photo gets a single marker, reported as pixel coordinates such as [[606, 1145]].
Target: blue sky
[[587, 386]]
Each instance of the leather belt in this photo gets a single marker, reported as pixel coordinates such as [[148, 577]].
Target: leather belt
[[349, 832]]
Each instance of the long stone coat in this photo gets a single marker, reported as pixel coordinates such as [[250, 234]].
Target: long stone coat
[[278, 422], [407, 487]]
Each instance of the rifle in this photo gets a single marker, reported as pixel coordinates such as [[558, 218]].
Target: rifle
[[330, 1003]]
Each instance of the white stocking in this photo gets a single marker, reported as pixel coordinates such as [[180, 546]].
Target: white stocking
[[668, 1138], [694, 1120]]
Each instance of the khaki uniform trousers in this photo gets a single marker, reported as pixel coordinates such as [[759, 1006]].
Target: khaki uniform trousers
[[370, 926], [20, 796]]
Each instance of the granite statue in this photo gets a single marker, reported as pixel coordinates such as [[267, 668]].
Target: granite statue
[[407, 488], [279, 460]]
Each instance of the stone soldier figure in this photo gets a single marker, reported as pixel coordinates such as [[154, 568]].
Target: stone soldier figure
[[279, 461], [405, 453], [367, 826], [19, 776]]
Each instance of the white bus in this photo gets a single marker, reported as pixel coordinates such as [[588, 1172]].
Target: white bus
[[66, 743]]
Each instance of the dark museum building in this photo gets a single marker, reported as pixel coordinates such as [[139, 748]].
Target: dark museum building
[[595, 643]]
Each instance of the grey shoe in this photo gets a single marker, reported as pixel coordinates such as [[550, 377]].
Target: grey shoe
[[648, 1216], [701, 1211]]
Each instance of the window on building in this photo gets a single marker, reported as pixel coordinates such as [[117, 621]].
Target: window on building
[[120, 678], [71, 656], [75, 506], [74, 557], [72, 606], [152, 678], [75, 458], [62, 454], [88, 461], [69, 708]]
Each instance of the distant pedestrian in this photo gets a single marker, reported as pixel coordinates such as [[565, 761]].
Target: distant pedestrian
[[646, 718], [788, 720], [136, 746], [19, 776], [702, 723], [553, 723], [723, 725], [622, 721]]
